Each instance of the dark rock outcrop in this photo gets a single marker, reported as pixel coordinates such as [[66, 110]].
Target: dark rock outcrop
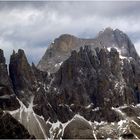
[[90, 80], [92, 77], [7, 95], [22, 76], [40, 76], [96, 75], [78, 128], [104, 75], [11, 128]]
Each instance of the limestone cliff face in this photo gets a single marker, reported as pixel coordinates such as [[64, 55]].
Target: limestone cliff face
[[118, 39], [61, 49], [58, 51]]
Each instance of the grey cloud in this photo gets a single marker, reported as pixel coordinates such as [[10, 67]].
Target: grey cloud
[[78, 8], [34, 25]]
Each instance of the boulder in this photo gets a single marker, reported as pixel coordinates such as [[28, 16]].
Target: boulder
[[78, 128]]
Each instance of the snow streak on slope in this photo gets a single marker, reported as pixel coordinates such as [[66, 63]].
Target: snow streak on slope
[[120, 55], [41, 129], [31, 121]]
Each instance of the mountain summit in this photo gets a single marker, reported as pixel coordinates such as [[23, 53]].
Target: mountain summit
[[61, 49]]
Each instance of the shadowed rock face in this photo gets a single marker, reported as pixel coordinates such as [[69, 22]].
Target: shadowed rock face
[[103, 73], [22, 76], [7, 95], [94, 77], [99, 77], [11, 128]]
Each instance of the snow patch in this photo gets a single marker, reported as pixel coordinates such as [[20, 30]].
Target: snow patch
[[38, 89], [120, 54], [22, 91], [14, 111], [121, 122], [5, 97], [31, 121], [135, 123], [119, 111], [118, 50], [63, 105], [89, 106], [100, 123], [56, 125], [43, 131], [58, 64], [96, 109], [109, 49]]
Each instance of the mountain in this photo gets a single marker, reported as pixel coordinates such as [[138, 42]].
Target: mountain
[[61, 48], [81, 88]]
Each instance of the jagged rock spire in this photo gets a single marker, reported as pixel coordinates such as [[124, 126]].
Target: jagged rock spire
[[21, 75], [2, 58], [7, 95]]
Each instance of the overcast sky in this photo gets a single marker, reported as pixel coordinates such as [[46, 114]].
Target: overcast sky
[[32, 26]]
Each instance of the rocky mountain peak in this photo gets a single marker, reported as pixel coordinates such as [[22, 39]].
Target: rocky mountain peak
[[58, 51], [66, 37], [61, 49], [65, 42], [116, 38], [19, 62], [107, 30], [21, 74]]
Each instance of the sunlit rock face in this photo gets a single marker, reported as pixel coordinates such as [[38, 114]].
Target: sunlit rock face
[[90, 86], [61, 48]]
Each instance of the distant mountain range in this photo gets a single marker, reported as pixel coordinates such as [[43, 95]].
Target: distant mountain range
[[80, 89], [61, 48]]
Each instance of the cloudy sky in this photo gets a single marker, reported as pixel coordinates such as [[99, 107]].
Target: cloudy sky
[[32, 26]]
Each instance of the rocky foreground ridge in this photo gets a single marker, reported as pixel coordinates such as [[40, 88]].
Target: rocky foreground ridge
[[81, 88]]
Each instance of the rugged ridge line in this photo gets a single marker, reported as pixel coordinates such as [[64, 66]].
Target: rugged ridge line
[[92, 78], [61, 48]]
